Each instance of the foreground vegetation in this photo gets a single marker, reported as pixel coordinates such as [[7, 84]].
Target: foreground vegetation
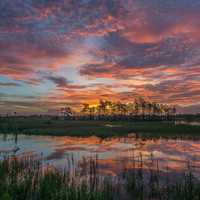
[[58, 126], [27, 179]]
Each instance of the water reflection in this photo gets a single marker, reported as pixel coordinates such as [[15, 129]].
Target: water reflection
[[192, 123], [114, 154]]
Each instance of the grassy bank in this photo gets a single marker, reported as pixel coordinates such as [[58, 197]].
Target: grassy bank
[[25, 179], [58, 127]]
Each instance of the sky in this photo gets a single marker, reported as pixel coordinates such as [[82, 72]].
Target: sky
[[68, 52]]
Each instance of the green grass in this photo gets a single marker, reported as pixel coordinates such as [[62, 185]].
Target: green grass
[[153, 184], [47, 126], [24, 179]]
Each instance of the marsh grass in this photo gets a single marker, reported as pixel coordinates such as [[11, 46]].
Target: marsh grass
[[143, 129], [153, 184], [27, 178]]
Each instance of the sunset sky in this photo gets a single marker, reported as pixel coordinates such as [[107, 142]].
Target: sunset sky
[[67, 52]]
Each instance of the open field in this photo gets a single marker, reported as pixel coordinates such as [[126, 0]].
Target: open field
[[60, 127]]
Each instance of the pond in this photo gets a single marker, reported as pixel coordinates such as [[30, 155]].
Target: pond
[[192, 123], [114, 154]]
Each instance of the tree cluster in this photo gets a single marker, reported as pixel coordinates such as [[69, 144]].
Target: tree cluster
[[139, 107]]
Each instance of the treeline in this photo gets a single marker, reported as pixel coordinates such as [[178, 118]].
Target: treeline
[[140, 109]]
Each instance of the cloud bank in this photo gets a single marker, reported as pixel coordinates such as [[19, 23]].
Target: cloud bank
[[71, 51]]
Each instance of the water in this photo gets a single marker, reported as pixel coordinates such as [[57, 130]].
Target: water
[[192, 123], [114, 154]]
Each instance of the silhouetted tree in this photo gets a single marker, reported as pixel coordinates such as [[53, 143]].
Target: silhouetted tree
[[106, 109], [67, 112]]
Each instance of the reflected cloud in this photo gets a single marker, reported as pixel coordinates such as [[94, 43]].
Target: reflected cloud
[[113, 154]]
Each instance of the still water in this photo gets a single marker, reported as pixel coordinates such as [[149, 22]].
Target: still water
[[114, 154]]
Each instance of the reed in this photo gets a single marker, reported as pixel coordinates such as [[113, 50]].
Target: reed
[[152, 184], [28, 178]]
